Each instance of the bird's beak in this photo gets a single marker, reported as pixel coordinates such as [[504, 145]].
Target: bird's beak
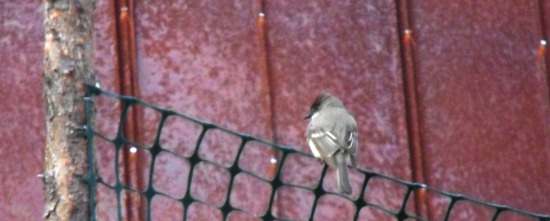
[[309, 115]]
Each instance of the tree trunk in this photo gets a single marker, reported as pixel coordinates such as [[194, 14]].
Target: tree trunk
[[68, 62]]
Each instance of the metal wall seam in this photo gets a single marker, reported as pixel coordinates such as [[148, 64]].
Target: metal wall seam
[[126, 79], [411, 103]]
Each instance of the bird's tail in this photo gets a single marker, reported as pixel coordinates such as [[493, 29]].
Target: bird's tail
[[342, 178]]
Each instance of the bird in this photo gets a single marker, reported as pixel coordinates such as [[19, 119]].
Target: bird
[[332, 137]]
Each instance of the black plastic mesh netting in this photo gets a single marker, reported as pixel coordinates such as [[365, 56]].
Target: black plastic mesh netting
[[275, 182]]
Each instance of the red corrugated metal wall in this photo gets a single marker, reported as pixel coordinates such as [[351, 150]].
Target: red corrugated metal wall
[[453, 94]]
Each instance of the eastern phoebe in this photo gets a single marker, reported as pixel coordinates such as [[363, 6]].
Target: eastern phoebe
[[332, 137]]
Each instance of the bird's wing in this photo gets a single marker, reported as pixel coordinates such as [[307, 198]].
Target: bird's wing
[[326, 144], [352, 140]]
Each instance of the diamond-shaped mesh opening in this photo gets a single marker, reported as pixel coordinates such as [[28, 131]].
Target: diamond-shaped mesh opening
[[301, 170], [250, 194], [185, 131], [161, 205], [210, 183], [171, 175], [332, 207], [219, 147]]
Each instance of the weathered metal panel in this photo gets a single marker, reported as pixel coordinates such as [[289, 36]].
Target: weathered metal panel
[[23, 132], [106, 61], [204, 59], [483, 102], [201, 58], [349, 48]]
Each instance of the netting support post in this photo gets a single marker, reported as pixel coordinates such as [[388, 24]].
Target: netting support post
[[68, 63]]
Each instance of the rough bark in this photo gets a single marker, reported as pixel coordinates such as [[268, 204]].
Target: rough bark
[[68, 62]]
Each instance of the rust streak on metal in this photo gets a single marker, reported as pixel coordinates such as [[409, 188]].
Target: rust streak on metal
[[266, 77], [127, 83], [412, 105], [267, 81], [541, 51]]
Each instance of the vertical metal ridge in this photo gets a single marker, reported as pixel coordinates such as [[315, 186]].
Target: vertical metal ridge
[[268, 81], [264, 61], [542, 51], [412, 104], [127, 83], [543, 54]]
